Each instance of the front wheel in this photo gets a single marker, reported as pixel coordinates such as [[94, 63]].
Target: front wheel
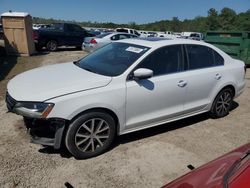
[[222, 103], [90, 135]]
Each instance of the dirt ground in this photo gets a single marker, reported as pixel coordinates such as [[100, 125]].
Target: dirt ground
[[149, 158]]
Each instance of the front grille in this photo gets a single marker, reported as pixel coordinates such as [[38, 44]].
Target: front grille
[[10, 102]]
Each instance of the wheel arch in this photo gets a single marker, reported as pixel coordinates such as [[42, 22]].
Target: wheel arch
[[229, 85], [213, 113], [100, 109], [232, 87], [50, 39]]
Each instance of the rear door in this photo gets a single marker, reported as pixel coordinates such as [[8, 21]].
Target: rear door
[[204, 75]]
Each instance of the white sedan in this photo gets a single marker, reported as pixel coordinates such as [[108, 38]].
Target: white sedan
[[91, 44], [124, 87]]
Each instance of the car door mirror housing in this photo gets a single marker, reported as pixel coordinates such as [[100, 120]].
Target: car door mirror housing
[[142, 73]]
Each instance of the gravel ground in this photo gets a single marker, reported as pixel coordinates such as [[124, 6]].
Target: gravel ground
[[149, 158]]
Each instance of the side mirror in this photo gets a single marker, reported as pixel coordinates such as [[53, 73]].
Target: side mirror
[[142, 73]]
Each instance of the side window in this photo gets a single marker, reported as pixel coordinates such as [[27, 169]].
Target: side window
[[123, 37], [199, 57], [218, 60], [164, 60], [74, 28], [70, 28], [57, 27], [136, 33], [132, 36], [115, 37], [122, 30]]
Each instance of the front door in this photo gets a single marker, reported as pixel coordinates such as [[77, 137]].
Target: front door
[[161, 97]]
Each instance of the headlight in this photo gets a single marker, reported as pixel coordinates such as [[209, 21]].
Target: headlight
[[32, 109]]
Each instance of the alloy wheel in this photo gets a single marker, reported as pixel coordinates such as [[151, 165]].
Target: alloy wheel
[[52, 45], [223, 103], [92, 134]]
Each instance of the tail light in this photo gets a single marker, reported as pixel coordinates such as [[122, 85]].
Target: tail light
[[93, 41], [35, 35]]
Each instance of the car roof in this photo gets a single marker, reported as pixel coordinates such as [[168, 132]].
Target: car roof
[[115, 33], [122, 33], [154, 44], [158, 42], [124, 28]]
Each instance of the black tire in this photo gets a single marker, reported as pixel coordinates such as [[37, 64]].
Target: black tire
[[222, 104], [88, 142], [51, 45]]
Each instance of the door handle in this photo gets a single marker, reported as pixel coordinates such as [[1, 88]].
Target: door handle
[[182, 83], [217, 76]]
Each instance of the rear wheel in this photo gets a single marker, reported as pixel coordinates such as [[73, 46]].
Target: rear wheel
[[90, 135], [51, 45], [222, 103]]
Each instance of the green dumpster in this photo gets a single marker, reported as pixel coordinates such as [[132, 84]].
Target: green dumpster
[[236, 44]]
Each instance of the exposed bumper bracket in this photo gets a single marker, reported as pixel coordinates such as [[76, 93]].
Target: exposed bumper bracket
[[39, 134]]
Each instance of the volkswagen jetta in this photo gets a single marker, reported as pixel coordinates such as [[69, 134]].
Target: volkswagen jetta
[[123, 87]]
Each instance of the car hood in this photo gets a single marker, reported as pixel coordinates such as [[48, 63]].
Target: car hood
[[48, 82]]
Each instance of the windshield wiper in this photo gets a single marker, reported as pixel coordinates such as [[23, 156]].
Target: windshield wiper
[[231, 169], [76, 62], [87, 69], [245, 155]]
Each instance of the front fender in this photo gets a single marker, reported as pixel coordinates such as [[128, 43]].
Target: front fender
[[69, 106]]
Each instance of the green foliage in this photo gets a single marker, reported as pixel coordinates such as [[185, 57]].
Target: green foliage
[[176, 24], [227, 19], [212, 21]]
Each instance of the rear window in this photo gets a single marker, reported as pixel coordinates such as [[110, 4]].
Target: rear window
[[194, 35], [202, 57], [102, 35], [218, 60], [122, 30]]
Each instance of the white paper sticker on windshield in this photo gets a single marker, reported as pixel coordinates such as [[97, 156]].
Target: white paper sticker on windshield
[[134, 49]]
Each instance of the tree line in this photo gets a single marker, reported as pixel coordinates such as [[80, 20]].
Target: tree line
[[224, 20]]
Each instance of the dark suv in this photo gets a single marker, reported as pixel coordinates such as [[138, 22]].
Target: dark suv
[[60, 34]]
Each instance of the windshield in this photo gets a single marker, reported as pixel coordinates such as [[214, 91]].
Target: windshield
[[112, 59]]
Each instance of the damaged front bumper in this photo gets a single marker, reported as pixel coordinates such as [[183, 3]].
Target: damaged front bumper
[[48, 132]]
